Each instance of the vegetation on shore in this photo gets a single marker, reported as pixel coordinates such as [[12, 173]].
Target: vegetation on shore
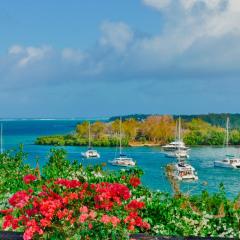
[[215, 119], [154, 130], [67, 201]]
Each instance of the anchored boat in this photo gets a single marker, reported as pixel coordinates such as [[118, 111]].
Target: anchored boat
[[177, 149], [90, 153], [183, 171], [122, 160], [230, 161]]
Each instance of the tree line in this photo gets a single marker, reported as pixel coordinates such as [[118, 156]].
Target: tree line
[[152, 130]]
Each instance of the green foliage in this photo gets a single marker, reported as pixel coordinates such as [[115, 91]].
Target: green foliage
[[181, 215], [12, 167]]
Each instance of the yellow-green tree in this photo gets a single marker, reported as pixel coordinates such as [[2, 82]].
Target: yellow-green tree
[[98, 130], [158, 129], [82, 129], [130, 127]]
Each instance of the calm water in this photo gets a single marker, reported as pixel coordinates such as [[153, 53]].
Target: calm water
[[151, 160]]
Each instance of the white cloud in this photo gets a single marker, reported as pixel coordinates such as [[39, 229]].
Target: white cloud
[[157, 4], [30, 54], [15, 49], [116, 35], [74, 55]]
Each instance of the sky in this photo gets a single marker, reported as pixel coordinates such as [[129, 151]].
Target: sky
[[77, 58]]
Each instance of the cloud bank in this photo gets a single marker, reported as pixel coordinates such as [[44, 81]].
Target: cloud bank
[[199, 41]]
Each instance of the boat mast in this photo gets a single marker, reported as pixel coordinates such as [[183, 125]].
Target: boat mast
[[120, 136], [1, 139], [89, 141], [179, 133], [227, 131], [179, 129]]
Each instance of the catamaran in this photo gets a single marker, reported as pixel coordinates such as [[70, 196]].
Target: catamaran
[[230, 161], [182, 150], [184, 171], [122, 160], [178, 144], [90, 153]]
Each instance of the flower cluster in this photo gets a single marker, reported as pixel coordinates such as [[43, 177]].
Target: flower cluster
[[108, 194], [134, 181], [58, 204], [29, 178]]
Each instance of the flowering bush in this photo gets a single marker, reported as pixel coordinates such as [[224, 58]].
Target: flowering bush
[[76, 202], [65, 208]]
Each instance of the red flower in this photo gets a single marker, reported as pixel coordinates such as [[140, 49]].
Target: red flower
[[134, 181], [29, 178], [6, 211], [68, 183], [109, 194], [45, 222], [90, 226], [19, 199], [134, 205], [134, 220], [32, 228], [7, 221]]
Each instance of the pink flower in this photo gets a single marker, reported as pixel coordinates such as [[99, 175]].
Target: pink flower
[[92, 214], [90, 226], [83, 217], [83, 209], [29, 178], [115, 221], [105, 219]]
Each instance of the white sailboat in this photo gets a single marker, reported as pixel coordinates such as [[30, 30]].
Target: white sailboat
[[178, 144], [181, 151], [230, 161], [90, 153], [122, 160]]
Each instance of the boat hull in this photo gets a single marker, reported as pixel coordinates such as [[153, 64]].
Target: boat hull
[[186, 178], [226, 165], [84, 155]]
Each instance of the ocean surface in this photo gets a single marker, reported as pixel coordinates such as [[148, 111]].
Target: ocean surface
[[151, 159]]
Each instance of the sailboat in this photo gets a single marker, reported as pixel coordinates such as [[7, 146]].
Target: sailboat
[[178, 144], [122, 160], [90, 153], [230, 161], [180, 150]]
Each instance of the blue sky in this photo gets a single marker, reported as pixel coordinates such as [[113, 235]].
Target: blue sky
[[101, 58]]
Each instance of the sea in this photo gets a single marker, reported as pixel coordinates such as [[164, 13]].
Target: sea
[[151, 160]]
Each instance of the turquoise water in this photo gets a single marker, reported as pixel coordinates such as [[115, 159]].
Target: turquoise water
[[151, 160]]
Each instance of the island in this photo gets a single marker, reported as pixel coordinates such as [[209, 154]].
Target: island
[[152, 130]]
